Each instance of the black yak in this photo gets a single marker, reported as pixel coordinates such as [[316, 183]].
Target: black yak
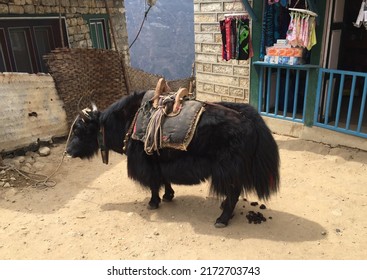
[[231, 147]]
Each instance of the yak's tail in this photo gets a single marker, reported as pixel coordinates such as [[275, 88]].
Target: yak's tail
[[266, 161], [261, 153]]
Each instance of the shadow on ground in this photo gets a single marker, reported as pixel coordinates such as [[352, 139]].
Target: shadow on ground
[[201, 213]]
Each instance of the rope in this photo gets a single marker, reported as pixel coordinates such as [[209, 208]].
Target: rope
[[141, 26], [154, 129], [45, 182]]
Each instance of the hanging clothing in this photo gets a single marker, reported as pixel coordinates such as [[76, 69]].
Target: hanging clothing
[[243, 45], [312, 34], [274, 26], [301, 30], [222, 26], [236, 40], [228, 23], [362, 16]]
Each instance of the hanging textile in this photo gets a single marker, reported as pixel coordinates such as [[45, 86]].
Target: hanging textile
[[275, 24], [243, 45], [228, 38], [236, 40], [362, 16], [222, 26], [234, 48], [302, 29]]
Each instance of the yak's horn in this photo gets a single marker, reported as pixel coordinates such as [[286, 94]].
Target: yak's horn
[[83, 113], [94, 107]]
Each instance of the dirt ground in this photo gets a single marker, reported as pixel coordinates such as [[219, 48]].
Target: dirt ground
[[96, 212]]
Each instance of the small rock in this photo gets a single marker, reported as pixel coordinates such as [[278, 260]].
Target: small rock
[[2, 184], [26, 169], [7, 185], [12, 179], [323, 233], [38, 166], [30, 160], [2, 172], [44, 151], [31, 154], [20, 159], [12, 162]]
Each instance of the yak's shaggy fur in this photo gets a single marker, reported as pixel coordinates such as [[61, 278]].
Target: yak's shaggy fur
[[232, 147]]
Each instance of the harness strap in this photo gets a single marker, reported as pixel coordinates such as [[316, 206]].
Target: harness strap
[[129, 132], [102, 145]]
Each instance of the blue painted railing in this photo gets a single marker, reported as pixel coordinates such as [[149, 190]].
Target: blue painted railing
[[341, 101], [283, 90]]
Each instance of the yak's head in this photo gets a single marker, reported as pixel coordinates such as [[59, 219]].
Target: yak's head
[[83, 142]]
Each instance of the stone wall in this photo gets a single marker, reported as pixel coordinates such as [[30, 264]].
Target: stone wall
[[31, 110], [73, 11], [216, 79]]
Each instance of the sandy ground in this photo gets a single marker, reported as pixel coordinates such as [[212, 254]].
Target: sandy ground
[[96, 212]]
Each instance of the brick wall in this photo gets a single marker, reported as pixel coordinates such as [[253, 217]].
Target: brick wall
[[216, 79], [73, 11]]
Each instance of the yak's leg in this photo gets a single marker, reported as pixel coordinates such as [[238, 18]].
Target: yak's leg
[[155, 199], [169, 193], [228, 206]]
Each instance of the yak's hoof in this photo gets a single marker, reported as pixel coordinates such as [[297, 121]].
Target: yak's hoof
[[153, 206], [220, 224], [168, 197]]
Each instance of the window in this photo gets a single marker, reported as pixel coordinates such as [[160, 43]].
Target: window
[[20, 43], [98, 33], [24, 42], [44, 43], [4, 64]]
